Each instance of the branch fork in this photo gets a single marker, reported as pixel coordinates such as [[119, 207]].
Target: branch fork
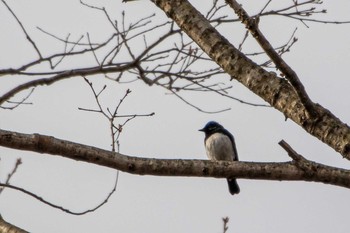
[[307, 166]]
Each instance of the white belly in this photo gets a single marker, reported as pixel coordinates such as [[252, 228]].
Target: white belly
[[219, 147]]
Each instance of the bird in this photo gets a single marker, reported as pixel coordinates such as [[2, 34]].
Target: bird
[[220, 145]]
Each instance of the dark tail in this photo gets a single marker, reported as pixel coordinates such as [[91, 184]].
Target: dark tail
[[233, 186]]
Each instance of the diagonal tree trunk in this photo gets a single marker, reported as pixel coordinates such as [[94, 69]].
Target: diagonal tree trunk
[[277, 91], [6, 227]]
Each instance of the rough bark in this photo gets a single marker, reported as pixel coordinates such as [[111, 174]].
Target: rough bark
[[273, 89], [6, 227], [310, 171]]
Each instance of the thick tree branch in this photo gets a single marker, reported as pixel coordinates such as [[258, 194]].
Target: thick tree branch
[[6, 227], [172, 167], [274, 90], [253, 26]]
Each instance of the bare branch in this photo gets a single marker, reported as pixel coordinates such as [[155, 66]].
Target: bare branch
[[111, 116], [194, 106], [61, 75], [41, 199], [174, 68], [293, 11], [305, 165], [15, 104], [172, 167], [23, 29], [9, 176], [21, 70], [68, 53], [66, 41], [289, 73], [225, 221], [276, 91], [292, 153]]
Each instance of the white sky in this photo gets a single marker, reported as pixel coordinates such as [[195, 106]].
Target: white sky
[[150, 204]]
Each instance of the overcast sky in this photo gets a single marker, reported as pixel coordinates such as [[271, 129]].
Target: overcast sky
[[151, 204]]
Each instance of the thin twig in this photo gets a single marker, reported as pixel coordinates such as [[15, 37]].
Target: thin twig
[[23, 29], [41, 199], [289, 73], [196, 107], [225, 221], [18, 103], [9, 176], [111, 116]]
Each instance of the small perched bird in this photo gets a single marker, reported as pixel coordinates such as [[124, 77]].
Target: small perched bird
[[220, 145]]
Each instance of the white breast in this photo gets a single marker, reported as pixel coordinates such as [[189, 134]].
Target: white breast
[[219, 147]]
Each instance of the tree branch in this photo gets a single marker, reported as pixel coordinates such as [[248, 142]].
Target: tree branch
[[305, 165], [64, 75], [225, 221], [23, 29], [9, 176], [6, 227], [274, 90], [171, 167], [41, 199], [252, 24]]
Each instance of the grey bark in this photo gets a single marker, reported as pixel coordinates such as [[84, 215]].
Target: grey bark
[[277, 91]]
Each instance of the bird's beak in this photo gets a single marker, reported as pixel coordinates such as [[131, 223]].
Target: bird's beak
[[201, 130]]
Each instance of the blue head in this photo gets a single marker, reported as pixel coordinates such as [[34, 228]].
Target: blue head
[[212, 127]]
